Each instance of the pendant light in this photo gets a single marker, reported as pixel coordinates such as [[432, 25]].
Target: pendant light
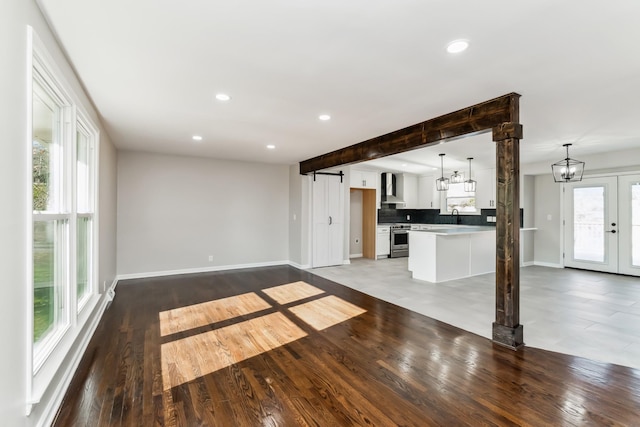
[[567, 170], [457, 178], [442, 183], [470, 185]]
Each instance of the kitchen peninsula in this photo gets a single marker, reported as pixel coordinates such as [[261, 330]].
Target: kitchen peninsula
[[442, 253]]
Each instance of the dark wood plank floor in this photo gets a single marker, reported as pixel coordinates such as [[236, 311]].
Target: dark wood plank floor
[[387, 366]]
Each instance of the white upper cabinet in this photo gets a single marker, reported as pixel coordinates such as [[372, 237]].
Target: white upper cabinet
[[407, 190], [485, 188], [428, 197], [363, 179]]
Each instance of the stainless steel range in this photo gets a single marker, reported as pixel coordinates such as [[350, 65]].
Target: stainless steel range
[[400, 240]]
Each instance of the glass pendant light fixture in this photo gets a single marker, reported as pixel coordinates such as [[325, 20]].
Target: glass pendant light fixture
[[442, 183], [567, 170], [457, 178], [470, 185]]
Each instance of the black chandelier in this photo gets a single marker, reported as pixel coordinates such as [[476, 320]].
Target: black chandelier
[[442, 183], [567, 170]]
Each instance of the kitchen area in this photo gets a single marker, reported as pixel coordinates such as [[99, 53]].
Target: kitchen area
[[443, 235]]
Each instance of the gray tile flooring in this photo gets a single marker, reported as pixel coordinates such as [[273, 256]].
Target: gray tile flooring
[[587, 314]]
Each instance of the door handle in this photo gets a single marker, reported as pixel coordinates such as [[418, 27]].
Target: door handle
[[610, 231], [330, 220]]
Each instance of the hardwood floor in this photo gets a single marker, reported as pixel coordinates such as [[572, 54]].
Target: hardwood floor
[[281, 346]]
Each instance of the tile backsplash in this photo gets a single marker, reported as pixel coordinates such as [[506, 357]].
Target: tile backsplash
[[433, 216]]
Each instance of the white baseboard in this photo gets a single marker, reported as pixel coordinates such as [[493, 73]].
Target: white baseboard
[[346, 262], [51, 409], [355, 255], [299, 266], [548, 264], [528, 263], [198, 270]]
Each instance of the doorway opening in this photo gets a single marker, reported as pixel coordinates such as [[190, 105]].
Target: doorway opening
[[362, 226]]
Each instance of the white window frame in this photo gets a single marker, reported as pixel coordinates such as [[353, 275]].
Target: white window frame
[[446, 209], [47, 356]]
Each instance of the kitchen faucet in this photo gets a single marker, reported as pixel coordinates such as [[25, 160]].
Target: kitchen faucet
[[455, 210]]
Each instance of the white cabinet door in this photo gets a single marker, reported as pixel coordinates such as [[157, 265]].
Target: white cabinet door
[[410, 191], [363, 179], [426, 190], [328, 224], [485, 189], [383, 242]]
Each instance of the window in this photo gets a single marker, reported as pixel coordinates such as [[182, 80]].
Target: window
[[63, 147], [457, 198], [50, 213]]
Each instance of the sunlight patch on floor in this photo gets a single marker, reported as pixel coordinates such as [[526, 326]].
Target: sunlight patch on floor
[[197, 315], [326, 312], [189, 358], [291, 292]]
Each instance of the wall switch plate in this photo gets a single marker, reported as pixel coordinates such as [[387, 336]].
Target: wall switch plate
[[210, 258], [408, 217]]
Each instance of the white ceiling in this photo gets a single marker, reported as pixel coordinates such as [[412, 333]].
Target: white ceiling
[[153, 67]]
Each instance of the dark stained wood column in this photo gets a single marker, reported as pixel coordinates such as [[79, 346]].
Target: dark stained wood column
[[507, 329]]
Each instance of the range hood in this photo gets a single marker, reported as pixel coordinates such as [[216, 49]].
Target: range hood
[[389, 195]]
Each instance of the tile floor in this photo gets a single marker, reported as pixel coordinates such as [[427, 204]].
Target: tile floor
[[587, 314]]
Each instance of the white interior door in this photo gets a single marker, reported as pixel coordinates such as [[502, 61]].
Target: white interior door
[[591, 231], [629, 230], [602, 224], [328, 221]]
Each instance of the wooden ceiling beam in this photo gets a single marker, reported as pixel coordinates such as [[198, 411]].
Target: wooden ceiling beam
[[478, 118]]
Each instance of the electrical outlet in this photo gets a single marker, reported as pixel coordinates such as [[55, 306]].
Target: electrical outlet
[[210, 258], [408, 217]]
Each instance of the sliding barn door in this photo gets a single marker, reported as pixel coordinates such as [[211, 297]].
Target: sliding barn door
[[328, 221]]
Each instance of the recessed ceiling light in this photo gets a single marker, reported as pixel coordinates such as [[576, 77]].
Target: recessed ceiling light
[[457, 46], [271, 146], [324, 117], [222, 97], [196, 138]]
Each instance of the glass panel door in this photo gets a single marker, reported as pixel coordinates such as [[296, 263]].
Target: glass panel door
[[629, 196], [591, 231]]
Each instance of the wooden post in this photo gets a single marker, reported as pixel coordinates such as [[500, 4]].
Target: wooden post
[[507, 329]]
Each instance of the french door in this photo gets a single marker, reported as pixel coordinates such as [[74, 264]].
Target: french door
[[602, 224]]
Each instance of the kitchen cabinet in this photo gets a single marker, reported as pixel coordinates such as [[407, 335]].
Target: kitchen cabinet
[[428, 197], [363, 179], [383, 241], [485, 188], [408, 190]]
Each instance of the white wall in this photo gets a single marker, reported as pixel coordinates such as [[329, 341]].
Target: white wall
[[15, 15], [295, 215], [548, 221], [174, 212]]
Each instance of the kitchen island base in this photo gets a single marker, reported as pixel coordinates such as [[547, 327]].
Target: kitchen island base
[[442, 255]]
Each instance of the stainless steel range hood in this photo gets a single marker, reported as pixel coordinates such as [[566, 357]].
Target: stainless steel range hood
[[389, 196]]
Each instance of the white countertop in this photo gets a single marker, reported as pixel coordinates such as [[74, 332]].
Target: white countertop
[[463, 229]]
